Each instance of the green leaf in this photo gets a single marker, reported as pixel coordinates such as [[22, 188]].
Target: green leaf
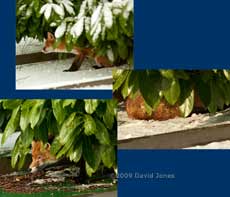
[[58, 110], [133, 83], [169, 74], [125, 87], [110, 113], [75, 153], [96, 152], [120, 80], [149, 92], [27, 137], [89, 125], [29, 103], [187, 106], [68, 102], [36, 112], [227, 74], [88, 169], [204, 92], [108, 155], [40, 132], [12, 125], [15, 153], [24, 118], [101, 133], [68, 127], [11, 103], [91, 105], [172, 94], [88, 152]]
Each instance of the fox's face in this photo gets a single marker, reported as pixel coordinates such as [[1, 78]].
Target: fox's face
[[48, 48], [40, 155], [49, 45]]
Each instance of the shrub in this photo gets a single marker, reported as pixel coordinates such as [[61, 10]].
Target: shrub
[[175, 86], [106, 26], [81, 128]]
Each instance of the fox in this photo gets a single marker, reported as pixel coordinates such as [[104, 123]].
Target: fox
[[136, 109], [81, 53], [41, 155]]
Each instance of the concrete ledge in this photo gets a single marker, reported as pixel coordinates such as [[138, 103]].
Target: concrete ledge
[[38, 57], [177, 140], [173, 134], [50, 75]]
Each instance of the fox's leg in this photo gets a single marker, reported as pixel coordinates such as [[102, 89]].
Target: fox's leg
[[102, 62], [76, 63]]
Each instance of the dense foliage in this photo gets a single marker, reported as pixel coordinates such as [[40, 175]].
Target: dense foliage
[[105, 25], [81, 128], [176, 86]]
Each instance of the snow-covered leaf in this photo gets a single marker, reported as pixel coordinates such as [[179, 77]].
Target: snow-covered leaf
[[60, 30], [90, 4], [108, 16], [126, 14], [77, 28], [110, 55], [48, 11], [68, 6], [22, 7], [53, 24], [96, 15], [43, 8], [97, 32], [59, 10], [129, 5], [82, 10], [87, 24], [117, 11]]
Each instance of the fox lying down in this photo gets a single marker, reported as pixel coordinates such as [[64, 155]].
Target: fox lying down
[[41, 155], [81, 53]]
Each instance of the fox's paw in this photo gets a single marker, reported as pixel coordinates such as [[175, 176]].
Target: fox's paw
[[97, 66]]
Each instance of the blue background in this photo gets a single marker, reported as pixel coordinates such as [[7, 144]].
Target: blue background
[[193, 34], [179, 34], [198, 173]]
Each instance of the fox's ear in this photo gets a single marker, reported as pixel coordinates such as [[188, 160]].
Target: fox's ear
[[47, 146], [50, 36]]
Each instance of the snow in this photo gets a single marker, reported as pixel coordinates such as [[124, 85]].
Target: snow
[[28, 45], [29, 76], [130, 128], [214, 145], [10, 141]]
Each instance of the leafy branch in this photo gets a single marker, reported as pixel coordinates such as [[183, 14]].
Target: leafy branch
[[105, 25], [81, 128], [175, 86]]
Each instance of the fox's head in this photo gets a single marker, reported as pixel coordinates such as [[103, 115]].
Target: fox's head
[[40, 155], [48, 48], [49, 45]]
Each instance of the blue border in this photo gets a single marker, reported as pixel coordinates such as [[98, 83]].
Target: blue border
[[182, 34], [183, 173]]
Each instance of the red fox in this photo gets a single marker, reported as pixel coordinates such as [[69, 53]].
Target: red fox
[[136, 109], [41, 155], [80, 53]]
